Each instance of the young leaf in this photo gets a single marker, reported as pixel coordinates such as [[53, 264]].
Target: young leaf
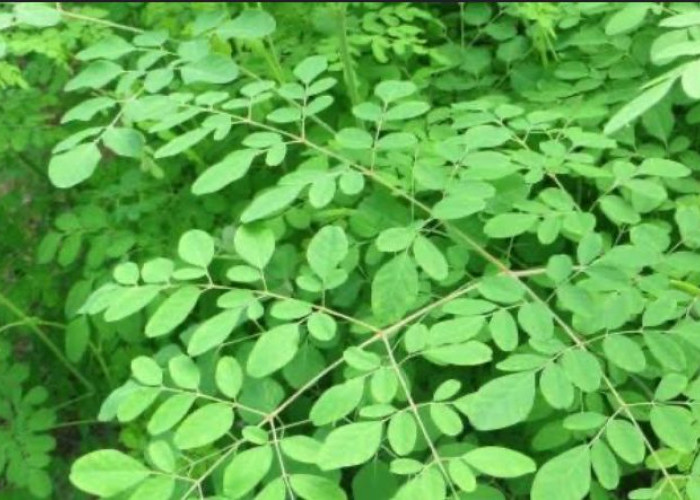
[[566, 476], [582, 369], [107, 472], [233, 167], [273, 350], [350, 445], [255, 244], [196, 247], [173, 311], [394, 289], [250, 24], [246, 470], [605, 465], [429, 258], [624, 353], [327, 250], [501, 402], [674, 427], [169, 413], [181, 143], [402, 433], [205, 425], [637, 106], [509, 225], [229, 376], [499, 462], [311, 487], [75, 166], [213, 332], [625, 440], [270, 202], [213, 68], [337, 402]]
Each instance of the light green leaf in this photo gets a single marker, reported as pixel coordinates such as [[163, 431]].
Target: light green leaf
[[350, 445], [169, 413], [402, 433], [666, 350], [107, 472], [110, 47], [556, 387], [203, 426], [396, 140], [690, 80], [462, 475], [624, 353], [136, 402], [213, 68], [213, 332], [670, 386], [246, 470], [674, 426], [74, 166], [625, 440], [509, 225], [564, 477], [637, 106], [309, 69], [337, 402], [446, 419], [250, 24], [233, 167], [504, 330], [37, 14], [270, 202], [310, 487], [273, 350], [196, 247], [322, 326], [627, 18], [255, 244], [146, 370], [470, 353], [406, 110], [173, 311], [184, 372], [605, 465], [327, 250], [430, 258], [660, 167], [393, 90], [301, 448], [181, 143], [394, 289], [229, 376], [360, 359], [354, 138], [124, 141], [582, 369], [501, 402], [155, 487], [536, 320], [499, 462], [131, 300], [95, 75], [87, 109]]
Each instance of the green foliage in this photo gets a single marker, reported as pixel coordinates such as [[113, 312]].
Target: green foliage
[[334, 251]]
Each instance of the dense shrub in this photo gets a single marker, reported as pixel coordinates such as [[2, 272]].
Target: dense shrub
[[371, 251]]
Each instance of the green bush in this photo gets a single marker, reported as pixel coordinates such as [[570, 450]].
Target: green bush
[[372, 251]]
